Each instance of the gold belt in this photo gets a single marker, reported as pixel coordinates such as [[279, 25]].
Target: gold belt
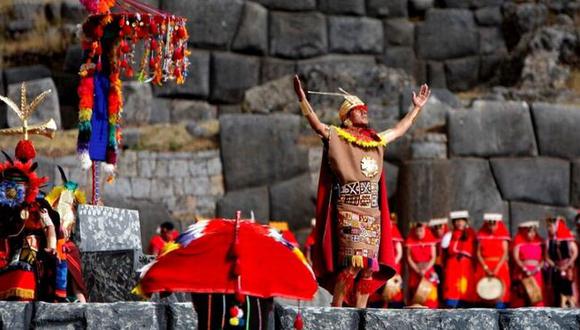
[[359, 193]]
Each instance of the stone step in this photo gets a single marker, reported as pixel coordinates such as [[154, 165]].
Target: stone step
[[147, 315]]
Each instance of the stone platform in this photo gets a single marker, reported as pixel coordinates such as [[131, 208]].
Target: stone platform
[[145, 315]]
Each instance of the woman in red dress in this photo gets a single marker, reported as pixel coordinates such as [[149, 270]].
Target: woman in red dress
[[460, 250], [421, 255], [561, 253], [492, 256], [439, 228], [528, 261]]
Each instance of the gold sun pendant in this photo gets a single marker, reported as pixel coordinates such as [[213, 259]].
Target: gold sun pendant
[[369, 166]]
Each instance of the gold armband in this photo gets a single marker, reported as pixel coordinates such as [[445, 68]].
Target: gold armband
[[305, 108]]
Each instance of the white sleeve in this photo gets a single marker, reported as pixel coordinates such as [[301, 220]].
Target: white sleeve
[[446, 240]]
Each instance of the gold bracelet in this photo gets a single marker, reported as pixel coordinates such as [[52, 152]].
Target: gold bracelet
[[306, 110]]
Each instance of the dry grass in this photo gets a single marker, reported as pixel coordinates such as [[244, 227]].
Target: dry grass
[[154, 138], [166, 137], [64, 143]]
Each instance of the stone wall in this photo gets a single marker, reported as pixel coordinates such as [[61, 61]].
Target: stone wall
[[161, 185], [239, 44], [134, 315]]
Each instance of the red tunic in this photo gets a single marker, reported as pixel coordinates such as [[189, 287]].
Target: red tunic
[[491, 247], [325, 265], [458, 281], [420, 251]]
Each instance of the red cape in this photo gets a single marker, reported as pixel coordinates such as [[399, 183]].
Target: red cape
[[326, 243]]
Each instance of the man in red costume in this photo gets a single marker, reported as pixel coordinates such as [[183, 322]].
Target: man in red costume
[[493, 255], [460, 245], [421, 254], [354, 243]]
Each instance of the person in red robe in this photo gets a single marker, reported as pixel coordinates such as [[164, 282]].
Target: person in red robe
[[353, 255], [166, 234], [421, 254], [309, 243], [439, 228], [459, 243], [561, 254], [493, 256], [528, 260]]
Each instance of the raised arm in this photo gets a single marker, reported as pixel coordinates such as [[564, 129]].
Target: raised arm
[[403, 126], [320, 128]]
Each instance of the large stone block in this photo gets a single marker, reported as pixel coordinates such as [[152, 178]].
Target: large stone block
[[49, 108], [491, 41], [318, 318], [232, 75], [392, 173], [110, 276], [53, 316], [475, 189], [463, 73], [470, 319], [274, 68], [390, 319], [137, 100], [259, 160], [544, 319], [289, 5], [537, 180], [346, 7], [197, 82], [246, 200], [276, 95], [399, 32], [181, 316], [429, 146], [108, 229], [25, 73], [355, 35], [575, 187], [401, 57], [293, 201], [436, 75], [434, 115], [297, 35], [379, 86], [424, 190], [123, 314], [151, 214], [15, 315], [447, 34], [252, 36], [521, 212], [492, 128], [391, 8], [210, 24], [557, 129], [489, 16]]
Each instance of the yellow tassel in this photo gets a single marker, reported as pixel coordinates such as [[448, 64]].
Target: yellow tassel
[[168, 247], [80, 197], [54, 194], [138, 291], [353, 139]]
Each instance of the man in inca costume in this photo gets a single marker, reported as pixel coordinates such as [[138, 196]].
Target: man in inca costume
[[353, 255]]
